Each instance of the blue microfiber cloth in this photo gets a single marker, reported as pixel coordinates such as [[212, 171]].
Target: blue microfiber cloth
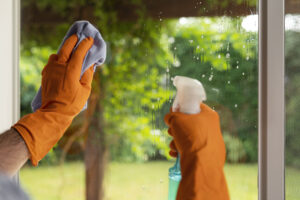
[[96, 54]]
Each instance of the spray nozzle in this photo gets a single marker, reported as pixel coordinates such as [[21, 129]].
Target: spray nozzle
[[189, 96]]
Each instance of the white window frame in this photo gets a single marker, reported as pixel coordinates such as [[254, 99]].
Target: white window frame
[[9, 57], [271, 100]]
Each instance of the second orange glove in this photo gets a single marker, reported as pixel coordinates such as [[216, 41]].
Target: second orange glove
[[198, 140]]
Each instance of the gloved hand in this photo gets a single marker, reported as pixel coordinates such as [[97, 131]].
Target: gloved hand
[[198, 140], [63, 97]]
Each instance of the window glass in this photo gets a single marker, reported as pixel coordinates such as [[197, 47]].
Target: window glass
[[292, 97], [123, 140]]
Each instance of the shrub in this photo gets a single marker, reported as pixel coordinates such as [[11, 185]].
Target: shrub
[[235, 151]]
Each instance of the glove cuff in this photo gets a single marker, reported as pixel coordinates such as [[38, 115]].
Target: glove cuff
[[41, 131], [27, 137]]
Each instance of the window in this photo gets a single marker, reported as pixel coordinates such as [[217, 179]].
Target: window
[[213, 42]]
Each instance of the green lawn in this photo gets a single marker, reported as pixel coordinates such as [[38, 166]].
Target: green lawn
[[137, 181]]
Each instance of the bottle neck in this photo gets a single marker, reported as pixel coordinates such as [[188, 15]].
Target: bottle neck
[[190, 108]]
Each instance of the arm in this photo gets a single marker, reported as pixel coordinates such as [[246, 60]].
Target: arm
[[13, 152]]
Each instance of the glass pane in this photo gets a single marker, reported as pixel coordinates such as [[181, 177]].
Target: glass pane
[[292, 98], [214, 42]]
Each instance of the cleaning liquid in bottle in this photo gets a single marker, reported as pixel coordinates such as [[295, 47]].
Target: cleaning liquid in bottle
[[189, 96], [174, 179]]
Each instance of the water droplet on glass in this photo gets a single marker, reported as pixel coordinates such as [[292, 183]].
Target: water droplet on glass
[[176, 62], [171, 40]]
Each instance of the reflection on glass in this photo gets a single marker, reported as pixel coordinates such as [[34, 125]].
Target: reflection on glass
[[133, 91], [292, 98]]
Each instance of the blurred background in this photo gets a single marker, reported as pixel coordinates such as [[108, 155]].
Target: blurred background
[[118, 147]]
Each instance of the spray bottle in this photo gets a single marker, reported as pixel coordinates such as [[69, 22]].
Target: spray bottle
[[189, 96]]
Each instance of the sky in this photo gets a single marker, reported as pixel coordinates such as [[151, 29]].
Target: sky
[[292, 22], [250, 23]]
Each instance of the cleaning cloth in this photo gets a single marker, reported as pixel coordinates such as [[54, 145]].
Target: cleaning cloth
[[95, 56]]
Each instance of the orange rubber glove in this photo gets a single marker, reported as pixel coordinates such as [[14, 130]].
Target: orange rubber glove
[[198, 140], [63, 96]]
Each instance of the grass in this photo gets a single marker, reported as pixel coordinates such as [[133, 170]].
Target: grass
[[137, 181]]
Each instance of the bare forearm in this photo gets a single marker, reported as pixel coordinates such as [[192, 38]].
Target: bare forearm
[[13, 152]]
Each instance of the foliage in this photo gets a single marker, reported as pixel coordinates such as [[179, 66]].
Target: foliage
[[292, 147], [144, 55], [220, 54], [234, 149], [131, 78], [137, 79], [31, 64], [142, 58]]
